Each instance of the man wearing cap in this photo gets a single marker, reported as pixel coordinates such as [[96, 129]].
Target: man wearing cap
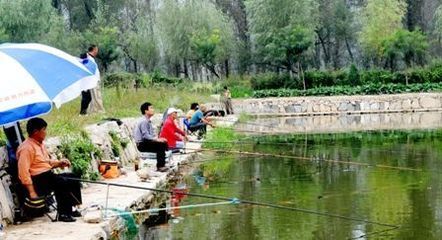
[[144, 135], [171, 132]]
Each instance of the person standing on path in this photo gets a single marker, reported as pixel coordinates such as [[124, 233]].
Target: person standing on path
[[92, 95], [226, 99], [92, 100]]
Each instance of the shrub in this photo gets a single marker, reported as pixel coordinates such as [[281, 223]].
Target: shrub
[[159, 78], [78, 149], [353, 77], [117, 143], [368, 89], [274, 81], [376, 76], [122, 79], [318, 79], [239, 87]]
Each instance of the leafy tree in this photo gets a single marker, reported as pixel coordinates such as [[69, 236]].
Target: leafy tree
[[104, 36], [236, 11], [353, 78], [437, 19], [344, 25], [204, 47], [138, 38], [141, 46], [180, 22], [282, 34], [403, 45], [26, 20], [3, 36], [381, 18]]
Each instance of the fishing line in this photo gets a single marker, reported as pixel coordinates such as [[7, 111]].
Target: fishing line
[[309, 159], [241, 201], [290, 144]]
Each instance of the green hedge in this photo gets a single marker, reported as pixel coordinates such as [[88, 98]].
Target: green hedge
[[370, 89], [352, 76], [274, 81], [129, 80]]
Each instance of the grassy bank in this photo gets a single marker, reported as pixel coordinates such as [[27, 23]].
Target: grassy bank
[[119, 104]]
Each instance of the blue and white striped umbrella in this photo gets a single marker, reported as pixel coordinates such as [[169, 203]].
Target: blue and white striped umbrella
[[35, 76]]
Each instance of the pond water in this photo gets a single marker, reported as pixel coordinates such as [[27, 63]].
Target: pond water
[[402, 186]]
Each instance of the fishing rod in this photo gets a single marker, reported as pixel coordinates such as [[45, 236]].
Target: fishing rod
[[247, 123], [263, 133], [307, 159], [285, 144], [207, 160], [241, 201]]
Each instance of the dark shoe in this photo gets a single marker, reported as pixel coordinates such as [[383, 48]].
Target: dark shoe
[[66, 218], [162, 169], [76, 213]]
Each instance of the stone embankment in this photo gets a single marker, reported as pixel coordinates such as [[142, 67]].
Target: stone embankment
[[125, 199], [333, 105]]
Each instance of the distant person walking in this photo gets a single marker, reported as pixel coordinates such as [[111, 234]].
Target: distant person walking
[[91, 99], [226, 99]]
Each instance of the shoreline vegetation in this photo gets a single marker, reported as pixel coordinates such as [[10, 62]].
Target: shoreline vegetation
[[124, 92]]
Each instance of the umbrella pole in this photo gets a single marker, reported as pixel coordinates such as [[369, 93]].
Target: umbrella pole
[[17, 132]]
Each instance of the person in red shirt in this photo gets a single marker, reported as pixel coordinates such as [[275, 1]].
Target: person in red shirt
[[174, 135]]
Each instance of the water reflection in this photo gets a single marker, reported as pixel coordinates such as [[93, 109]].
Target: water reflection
[[409, 199]]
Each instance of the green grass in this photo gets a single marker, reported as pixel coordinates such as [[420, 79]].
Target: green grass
[[119, 104], [218, 137]]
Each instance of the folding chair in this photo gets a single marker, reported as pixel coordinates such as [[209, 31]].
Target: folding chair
[[40, 206]]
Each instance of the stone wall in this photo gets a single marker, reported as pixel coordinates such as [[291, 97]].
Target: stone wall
[[338, 104], [6, 203]]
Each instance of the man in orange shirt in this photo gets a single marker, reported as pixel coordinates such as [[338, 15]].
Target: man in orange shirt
[[35, 172]]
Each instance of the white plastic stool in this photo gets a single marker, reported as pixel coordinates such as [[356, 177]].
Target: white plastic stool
[[150, 158]]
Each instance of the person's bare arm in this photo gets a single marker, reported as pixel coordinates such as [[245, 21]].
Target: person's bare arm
[[31, 190], [59, 163], [206, 121]]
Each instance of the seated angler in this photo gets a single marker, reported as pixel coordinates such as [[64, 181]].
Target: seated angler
[[193, 108], [171, 132], [35, 172], [199, 122], [144, 135]]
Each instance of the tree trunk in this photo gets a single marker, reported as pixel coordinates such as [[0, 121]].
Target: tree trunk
[[236, 10], [301, 75], [177, 69], [226, 66], [322, 41], [88, 10], [186, 69], [336, 57], [347, 44], [212, 69], [150, 14], [135, 65]]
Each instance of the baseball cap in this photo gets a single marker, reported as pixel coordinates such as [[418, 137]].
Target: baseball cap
[[171, 110]]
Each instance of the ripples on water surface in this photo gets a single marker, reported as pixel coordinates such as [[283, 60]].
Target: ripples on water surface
[[410, 199]]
